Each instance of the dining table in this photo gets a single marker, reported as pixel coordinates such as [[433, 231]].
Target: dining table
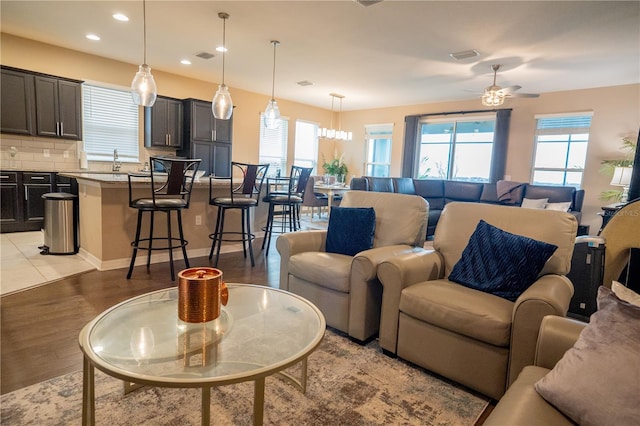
[[331, 189]]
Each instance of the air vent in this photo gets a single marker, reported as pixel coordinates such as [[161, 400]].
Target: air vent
[[368, 3], [465, 54], [205, 55], [305, 83]]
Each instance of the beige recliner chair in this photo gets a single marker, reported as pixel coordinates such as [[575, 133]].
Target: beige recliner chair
[[620, 234], [345, 288], [475, 338]]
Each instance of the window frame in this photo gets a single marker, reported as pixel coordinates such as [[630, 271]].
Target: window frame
[[551, 129], [373, 133], [112, 129], [303, 161]]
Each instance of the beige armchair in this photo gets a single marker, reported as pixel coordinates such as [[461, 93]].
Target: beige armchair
[[475, 338], [345, 288]]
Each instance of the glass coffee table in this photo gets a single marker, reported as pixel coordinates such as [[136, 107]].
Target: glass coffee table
[[261, 332]]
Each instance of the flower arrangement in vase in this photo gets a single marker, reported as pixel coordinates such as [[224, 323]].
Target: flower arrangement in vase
[[336, 167]]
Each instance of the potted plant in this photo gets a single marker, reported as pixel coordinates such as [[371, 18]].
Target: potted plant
[[336, 167]]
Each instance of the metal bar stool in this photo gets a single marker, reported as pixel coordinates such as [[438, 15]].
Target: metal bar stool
[[170, 191], [286, 204], [243, 196]]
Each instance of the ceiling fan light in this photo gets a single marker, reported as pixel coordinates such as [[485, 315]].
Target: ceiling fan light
[[143, 87], [271, 116], [492, 98], [222, 105]]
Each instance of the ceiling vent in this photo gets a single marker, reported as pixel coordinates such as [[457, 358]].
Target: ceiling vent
[[367, 3], [465, 54], [305, 83], [205, 55]]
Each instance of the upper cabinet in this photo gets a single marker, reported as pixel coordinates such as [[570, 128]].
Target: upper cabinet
[[58, 108], [163, 123], [202, 126], [18, 107], [41, 105]]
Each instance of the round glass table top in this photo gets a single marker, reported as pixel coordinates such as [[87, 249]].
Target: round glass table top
[[261, 330]]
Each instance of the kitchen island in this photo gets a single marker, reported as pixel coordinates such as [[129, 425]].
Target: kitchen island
[[107, 224]]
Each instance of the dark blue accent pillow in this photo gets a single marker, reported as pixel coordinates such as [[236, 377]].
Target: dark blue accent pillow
[[350, 230], [500, 263]]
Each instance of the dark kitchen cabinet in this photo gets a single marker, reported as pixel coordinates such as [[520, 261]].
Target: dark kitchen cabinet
[[10, 200], [58, 108], [207, 138], [163, 123], [22, 203], [18, 102]]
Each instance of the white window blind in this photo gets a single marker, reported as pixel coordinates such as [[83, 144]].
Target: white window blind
[[273, 147], [110, 121], [561, 143], [306, 145]]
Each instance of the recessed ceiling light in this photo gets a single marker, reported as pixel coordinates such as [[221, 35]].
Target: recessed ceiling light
[[221, 49], [120, 17], [93, 37], [185, 62]]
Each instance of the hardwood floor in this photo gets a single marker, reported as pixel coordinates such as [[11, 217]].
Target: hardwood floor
[[39, 327]]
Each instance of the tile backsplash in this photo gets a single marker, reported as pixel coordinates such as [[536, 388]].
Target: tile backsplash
[[47, 154]]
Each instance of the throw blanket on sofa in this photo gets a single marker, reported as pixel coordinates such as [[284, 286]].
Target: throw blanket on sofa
[[504, 189]]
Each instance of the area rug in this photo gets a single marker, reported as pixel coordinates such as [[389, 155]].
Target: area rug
[[348, 384]]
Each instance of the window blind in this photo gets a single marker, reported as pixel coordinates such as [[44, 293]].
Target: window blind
[[110, 121], [273, 147]]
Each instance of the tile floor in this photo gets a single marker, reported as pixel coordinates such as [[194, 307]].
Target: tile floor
[[22, 266]]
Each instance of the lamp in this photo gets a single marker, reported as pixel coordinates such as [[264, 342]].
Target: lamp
[[222, 105], [622, 177], [493, 95], [272, 113], [143, 86], [331, 133]]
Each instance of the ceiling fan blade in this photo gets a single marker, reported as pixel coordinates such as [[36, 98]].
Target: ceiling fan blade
[[510, 89], [524, 95]]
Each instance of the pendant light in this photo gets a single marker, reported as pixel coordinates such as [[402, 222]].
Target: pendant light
[[331, 133], [143, 86], [272, 113], [222, 105]]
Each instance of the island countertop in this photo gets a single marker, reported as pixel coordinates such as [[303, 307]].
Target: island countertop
[[107, 224]]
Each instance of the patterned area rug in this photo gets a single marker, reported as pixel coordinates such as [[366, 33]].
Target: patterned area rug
[[348, 385]]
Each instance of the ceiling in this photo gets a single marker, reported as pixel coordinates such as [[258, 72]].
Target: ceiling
[[388, 54]]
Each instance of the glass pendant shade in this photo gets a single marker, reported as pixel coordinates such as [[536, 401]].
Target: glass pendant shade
[[271, 116], [222, 105], [143, 87]]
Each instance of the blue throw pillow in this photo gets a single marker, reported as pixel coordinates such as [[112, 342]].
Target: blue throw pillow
[[350, 230], [500, 263]]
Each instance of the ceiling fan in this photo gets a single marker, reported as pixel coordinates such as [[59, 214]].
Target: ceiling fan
[[495, 95]]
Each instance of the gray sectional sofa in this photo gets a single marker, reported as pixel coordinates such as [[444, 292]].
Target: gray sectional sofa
[[439, 192]]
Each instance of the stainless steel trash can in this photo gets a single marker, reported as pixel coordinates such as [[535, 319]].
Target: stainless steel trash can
[[60, 221]]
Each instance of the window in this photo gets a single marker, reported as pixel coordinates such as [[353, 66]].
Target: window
[[306, 148], [273, 147], [560, 149], [456, 148], [378, 149], [110, 121]]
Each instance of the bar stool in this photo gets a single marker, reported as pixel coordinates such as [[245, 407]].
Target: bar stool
[[286, 204], [243, 196], [170, 191]]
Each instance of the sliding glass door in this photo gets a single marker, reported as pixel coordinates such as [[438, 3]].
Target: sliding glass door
[[456, 148]]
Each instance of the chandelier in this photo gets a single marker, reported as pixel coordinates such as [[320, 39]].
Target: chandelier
[[143, 86], [222, 105], [331, 133]]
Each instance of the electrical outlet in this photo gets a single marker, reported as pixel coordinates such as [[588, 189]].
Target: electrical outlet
[[198, 219], [65, 154], [45, 153]]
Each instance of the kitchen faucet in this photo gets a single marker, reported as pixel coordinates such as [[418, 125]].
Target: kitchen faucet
[[116, 163]]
